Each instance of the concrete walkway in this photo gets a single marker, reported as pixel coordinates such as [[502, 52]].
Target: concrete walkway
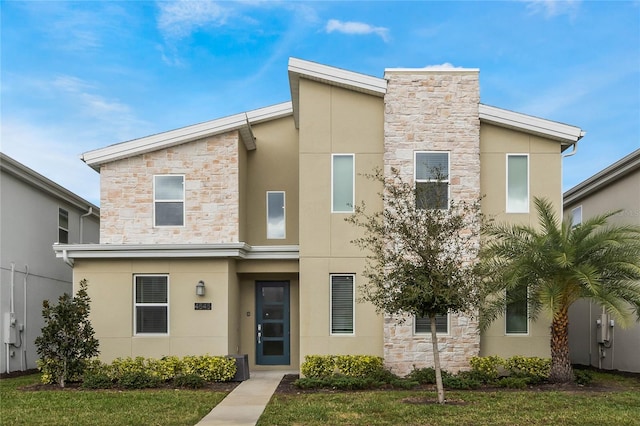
[[245, 404]]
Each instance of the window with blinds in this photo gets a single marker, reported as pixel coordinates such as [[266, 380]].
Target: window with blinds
[[422, 325], [432, 180], [151, 296], [342, 301]]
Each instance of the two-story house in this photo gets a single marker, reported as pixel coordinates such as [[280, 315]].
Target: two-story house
[[594, 337], [228, 237], [35, 212]]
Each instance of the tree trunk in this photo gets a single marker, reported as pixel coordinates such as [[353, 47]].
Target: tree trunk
[[561, 371], [436, 360]]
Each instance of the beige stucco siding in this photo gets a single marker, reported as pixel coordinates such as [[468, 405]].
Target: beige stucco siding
[[190, 331], [545, 180], [335, 121], [211, 171], [273, 166]]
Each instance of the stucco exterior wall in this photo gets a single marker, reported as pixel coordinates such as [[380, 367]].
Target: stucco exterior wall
[[545, 180], [433, 111], [211, 171], [335, 120], [110, 287]]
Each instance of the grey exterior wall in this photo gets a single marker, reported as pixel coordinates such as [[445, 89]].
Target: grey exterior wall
[[29, 269], [621, 192]]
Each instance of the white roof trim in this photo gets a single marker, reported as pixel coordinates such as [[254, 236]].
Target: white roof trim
[[617, 170], [241, 122], [530, 124], [140, 251], [35, 179]]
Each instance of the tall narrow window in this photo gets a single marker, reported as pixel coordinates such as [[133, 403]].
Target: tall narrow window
[[151, 297], [276, 223], [342, 299], [63, 226], [432, 180], [168, 197], [342, 183], [517, 183], [423, 325], [576, 216], [517, 319]]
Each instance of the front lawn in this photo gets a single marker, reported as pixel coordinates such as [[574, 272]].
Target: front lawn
[[609, 399], [105, 407]]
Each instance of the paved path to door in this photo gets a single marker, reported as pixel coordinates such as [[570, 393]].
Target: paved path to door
[[245, 404]]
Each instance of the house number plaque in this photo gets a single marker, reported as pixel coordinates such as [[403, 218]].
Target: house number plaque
[[202, 306]]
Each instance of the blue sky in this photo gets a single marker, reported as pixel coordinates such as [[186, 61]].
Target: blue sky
[[82, 75]]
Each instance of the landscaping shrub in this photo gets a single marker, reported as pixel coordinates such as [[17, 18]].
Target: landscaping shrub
[[462, 380], [426, 376], [210, 368], [96, 379], [192, 381], [138, 380], [487, 368], [535, 368], [513, 382], [583, 377], [358, 365], [318, 366]]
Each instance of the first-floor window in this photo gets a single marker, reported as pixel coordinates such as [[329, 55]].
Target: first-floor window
[[342, 300], [517, 318], [151, 297], [63, 226], [422, 325]]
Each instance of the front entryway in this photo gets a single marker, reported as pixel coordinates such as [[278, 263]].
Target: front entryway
[[272, 323]]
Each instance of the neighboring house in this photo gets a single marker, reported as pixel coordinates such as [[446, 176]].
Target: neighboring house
[[594, 337], [35, 213], [249, 210]]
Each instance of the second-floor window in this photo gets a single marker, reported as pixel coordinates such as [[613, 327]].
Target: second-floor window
[[432, 180], [63, 226], [276, 222], [168, 200], [576, 216], [342, 183], [517, 183]]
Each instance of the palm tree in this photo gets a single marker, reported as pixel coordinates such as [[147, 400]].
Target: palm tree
[[557, 264]]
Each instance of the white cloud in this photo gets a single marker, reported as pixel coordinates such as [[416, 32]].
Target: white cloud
[[358, 28], [444, 66], [553, 8], [179, 19]]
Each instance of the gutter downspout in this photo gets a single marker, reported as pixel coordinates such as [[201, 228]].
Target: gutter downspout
[[89, 213], [24, 320], [66, 258]]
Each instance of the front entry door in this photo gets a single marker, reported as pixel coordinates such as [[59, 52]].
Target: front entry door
[[272, 323]]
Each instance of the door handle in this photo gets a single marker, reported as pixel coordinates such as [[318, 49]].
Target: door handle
[[259, 337]]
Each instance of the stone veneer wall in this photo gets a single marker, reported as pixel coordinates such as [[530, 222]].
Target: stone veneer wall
[[433, 110], [210, 167]]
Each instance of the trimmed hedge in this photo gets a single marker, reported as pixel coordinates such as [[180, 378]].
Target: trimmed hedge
[[325, 366], [139, 372], [491, 368]]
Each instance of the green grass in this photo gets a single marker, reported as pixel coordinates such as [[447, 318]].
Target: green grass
[[619, 406], [113, 408]]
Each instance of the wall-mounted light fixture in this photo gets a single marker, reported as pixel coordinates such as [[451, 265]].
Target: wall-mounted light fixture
[[200, 288]]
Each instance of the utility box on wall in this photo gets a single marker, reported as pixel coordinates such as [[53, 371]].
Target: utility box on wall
[[242, 367]]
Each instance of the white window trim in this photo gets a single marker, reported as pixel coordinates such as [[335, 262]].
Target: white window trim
[[573, 215], [135, 305], [447, 180], [284, 214], [183, 201], [507, 333], [506, 182], [60, 227], [353, 309], [353, 182], [428, 333]]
